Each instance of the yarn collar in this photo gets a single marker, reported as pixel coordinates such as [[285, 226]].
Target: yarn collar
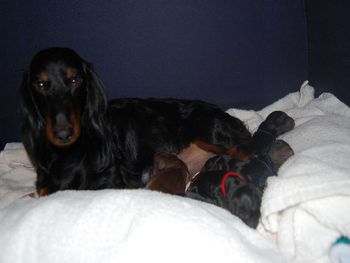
[[224, 178]]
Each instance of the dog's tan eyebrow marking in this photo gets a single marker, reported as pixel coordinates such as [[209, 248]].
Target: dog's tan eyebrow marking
[[70, 72], [43, 77]]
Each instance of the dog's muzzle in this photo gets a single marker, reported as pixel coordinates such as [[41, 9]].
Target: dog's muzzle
[[63, 130]]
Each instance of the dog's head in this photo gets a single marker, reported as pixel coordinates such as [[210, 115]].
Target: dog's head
[[58, 91], [229, 190], [245, 203]]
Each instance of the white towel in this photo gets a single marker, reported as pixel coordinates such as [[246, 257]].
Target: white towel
[[127, 226], [307, 206]]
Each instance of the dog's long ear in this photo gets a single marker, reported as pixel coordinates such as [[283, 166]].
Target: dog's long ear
[[96, 101], [94, 120], [32, 123]]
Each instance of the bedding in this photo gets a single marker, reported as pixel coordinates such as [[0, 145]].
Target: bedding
[[305, 209]]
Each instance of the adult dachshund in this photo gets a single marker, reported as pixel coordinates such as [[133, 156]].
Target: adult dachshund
[[78, 140]]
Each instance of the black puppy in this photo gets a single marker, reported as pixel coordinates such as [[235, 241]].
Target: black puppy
[[238, 185], [228, 190], [275, 124]]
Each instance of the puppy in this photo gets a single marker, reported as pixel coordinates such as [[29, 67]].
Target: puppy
[[230, 191], [169, 174], [238, 185], [275, 124]]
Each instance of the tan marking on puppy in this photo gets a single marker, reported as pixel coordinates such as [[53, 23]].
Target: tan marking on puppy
[[239, 155]]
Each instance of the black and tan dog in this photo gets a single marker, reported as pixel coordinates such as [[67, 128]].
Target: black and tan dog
[[78, 140]]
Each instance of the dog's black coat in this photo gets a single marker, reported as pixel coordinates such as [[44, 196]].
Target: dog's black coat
[[77, 140], [244, 192]]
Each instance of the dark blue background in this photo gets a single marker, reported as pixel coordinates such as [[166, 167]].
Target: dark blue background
[[328, 27], [241, 53]]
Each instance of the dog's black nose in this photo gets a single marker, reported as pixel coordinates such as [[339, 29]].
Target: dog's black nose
[[65, 134], [63, 128]]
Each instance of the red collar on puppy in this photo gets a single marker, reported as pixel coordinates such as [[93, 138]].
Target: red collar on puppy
[[224, 178]]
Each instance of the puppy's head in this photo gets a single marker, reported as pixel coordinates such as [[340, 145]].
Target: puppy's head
[[235, 194], [229, 190], [245, 203]]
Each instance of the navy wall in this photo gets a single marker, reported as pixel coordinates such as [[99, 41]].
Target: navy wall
[[329, 46], [242, 53]]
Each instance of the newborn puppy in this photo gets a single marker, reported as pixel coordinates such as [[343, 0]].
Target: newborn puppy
[[230, 191], [169, 174], [247, 179], [275, 124], [238, 185]]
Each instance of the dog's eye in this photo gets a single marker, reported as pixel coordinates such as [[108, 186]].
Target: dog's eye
[[42, 85], [75, 81]]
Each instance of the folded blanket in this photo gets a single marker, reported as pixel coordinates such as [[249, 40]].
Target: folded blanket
[[307, 207]]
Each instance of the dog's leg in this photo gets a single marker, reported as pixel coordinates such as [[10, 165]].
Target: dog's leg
[[43, 192]]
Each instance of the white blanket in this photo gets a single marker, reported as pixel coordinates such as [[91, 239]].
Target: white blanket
[[17, 176], [126, 226], [307, 207], [304, 209]]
